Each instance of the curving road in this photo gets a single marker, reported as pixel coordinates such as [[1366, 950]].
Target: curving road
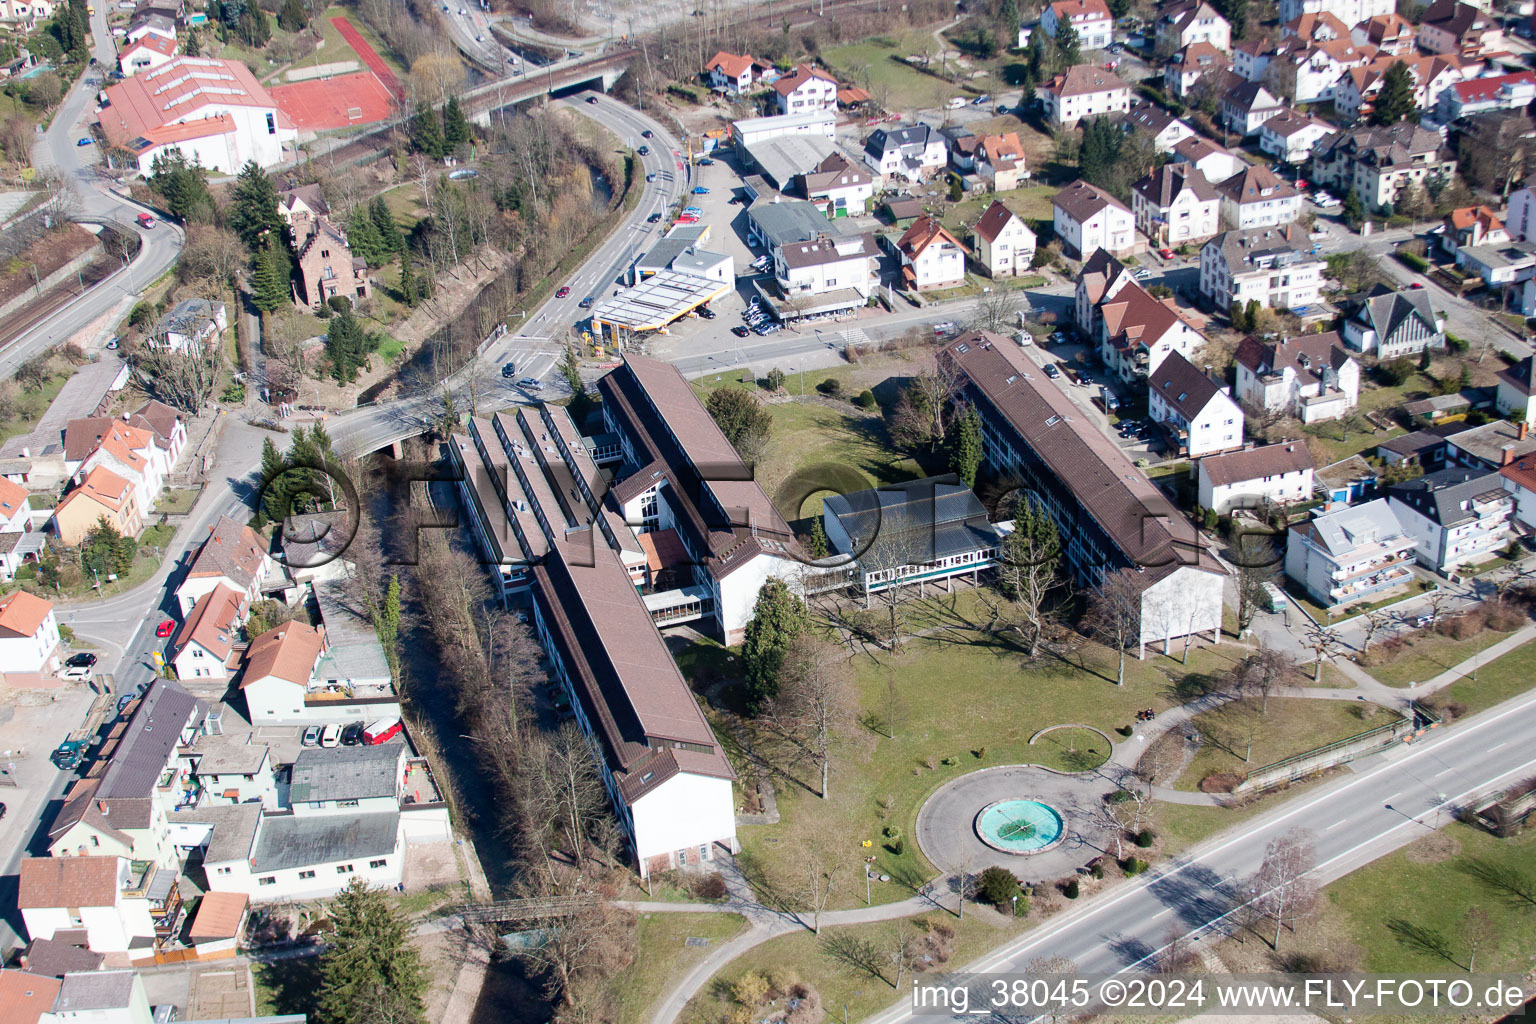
[[80, 168], [536, 343]]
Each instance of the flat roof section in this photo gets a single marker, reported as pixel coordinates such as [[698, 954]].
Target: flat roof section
[[658, 301]]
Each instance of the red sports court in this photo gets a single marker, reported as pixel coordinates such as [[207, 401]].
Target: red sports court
[[362, 97]]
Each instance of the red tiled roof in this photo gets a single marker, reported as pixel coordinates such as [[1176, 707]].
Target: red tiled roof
[[22, 614], [163, 105], [732, 65], [923, 234]]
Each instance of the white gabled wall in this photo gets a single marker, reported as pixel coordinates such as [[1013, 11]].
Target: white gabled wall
[[685, 813], [1188, 601]]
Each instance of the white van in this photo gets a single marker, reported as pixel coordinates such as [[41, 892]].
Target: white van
[[956, 103], [330, 736]]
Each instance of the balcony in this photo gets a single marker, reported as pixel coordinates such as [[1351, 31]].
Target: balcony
[[1372, 566], [1370, 584]]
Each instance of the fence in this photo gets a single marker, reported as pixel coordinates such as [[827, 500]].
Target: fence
[[1339, 752]]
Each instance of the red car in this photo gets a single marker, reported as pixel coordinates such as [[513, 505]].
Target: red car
[[1415, 286], [165, 629], [1301, 183], [1165, 253], [563, 292]]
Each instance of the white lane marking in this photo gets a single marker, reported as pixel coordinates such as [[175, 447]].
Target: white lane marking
[[1335, 825]]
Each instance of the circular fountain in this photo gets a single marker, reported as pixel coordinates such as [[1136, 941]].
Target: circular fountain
[[1020, 827]]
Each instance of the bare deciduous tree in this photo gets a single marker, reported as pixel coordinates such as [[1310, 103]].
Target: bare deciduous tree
[[581, 948], [1478, 933], [1114, 614], [1324, 642], [997, 310], [815, 699], [1254, 555], [1282, 889]]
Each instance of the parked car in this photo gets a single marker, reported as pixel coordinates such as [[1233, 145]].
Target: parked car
[[82, 660], [125, 700], [145, 221], [706, 313], [1051, 371], [84, 142], [706, 162], [700, 190], [311, 736], [1166, 253], [352, 735], [740, 332], [382, 731], [330, 735], [165, 629]]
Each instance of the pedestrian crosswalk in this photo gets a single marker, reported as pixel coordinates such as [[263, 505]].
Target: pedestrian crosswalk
[[529, 356]]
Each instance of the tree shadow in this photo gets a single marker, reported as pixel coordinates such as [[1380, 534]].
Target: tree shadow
[[854, 952], [292, 983], [1422, 939]]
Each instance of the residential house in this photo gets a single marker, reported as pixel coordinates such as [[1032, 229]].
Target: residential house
[[18, 548], [29, 639], [963, 144], [1250, 57], [938, 526], [27, 996], [1087, 218], [300, 207], [1519, 479], [218, 929], [1311, 377], [124, 811], [146, 53], [18, 544], [149, 23], [166, 425], [1246, 106], [1392, 34], [1191, 21], [232, 555], [1391, 323], [1457, 516], [1350, 554], [1471, 225], [188, 326], [839, 186], [931, 257], [1084, 90], [101, 997], [1000, 161], [103, 897], [1520, 217], [327, 268], [1185, 68], [1257, 197], [807, 90], [1422, 448], [1316, 27], [1090, 18], [1111, 519], [1272, 266], [1499, 264], [1517, 391], [1166, 130], [206, 640], [1350, 12], [1275, 474], [909, 153], [1354, 95], [102, 495], [734, 75], [1490, 446], [292, 677], [28, 12], [1136, 331], [1301, 70], [129, 452], [233, 768], [1002, 243], [1480, 95], [1215, 163], [1290, 136], [15, 508], [1194, 410], [1101, 279], [1449, 26], [826, 264]]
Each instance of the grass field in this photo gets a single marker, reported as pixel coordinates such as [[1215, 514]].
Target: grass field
[[1382, 910], [661, 958], [1033, 202], [817, 961], [1429, 655], [30, 406], [1291, 725], [404, 201], [875, 65], [983, 713], [1506, 677]]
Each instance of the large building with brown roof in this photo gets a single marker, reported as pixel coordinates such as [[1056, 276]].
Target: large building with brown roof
[[1135, 331], [102, 495], [100, 900], [1311, 377], [232, 555], [1111, 518], [1085, 218], [1084, 90], [204, 643], [295, 675], [684, 534], [1276, 474]]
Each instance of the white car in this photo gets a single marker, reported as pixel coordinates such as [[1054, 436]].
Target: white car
[[330, 736]]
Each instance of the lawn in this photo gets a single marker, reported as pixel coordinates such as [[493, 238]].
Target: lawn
[[1506, 677], [334, 48], [842, 988], [404, 201], [177, 501], [817, 431], [662, 957], [875, 65], [1032, 202], [994, 700], [1290, 726], [30, 406], [1428, 655], [1381, 909], [286, 986]]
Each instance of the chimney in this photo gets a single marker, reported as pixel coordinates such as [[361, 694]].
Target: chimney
[[1508, 455], [1520, 429], [101, 805]]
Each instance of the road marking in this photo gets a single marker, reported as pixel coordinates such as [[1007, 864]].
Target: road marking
[[1335, 825], [1449, 770], [1495, 747]]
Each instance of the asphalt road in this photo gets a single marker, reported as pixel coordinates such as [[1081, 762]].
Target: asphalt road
[[1384, 803], [57, 152]]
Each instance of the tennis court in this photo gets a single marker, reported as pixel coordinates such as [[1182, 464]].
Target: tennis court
[[340, 102]]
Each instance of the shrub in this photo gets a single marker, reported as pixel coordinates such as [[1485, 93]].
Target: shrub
[[1220, 782], [1395, 372], [1502, 618], [951, 761], [865, 400], [892, 831], [750, 989], [775, 379], [831, 387], [1132, 866], [1071, 890], [1144, 838], [1119, 796], [1096, 870], [340, 303], [1456, 344], [898, 846], [709, 887], [1125, 730], [1413, 262], [997, 886]]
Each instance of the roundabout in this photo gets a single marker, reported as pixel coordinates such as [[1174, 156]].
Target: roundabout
[[1033, 821]]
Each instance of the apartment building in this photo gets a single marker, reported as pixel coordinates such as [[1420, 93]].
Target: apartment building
[[1136, 331], [1256, 197], [1087, 218], [1084, 90], [1457, 516], [1311, 377], [1377, 161], [930, 256], [1176, 205], [1002, 243], [1091, 19], [1274, 474], [1195, 411], [1350, 554], [1272, 266], [1191, 21], [1110, 517]]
